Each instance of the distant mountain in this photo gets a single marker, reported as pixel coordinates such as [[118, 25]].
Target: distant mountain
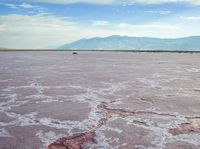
[[135, 43], [2, 48]]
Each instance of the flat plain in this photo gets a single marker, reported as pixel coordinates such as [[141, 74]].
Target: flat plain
[[99, 100]]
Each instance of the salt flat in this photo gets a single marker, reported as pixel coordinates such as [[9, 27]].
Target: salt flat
[[104, 100]]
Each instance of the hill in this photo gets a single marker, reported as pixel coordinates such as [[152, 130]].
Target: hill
[[135, 43]]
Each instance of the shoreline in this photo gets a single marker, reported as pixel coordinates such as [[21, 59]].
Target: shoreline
[[133, 51]]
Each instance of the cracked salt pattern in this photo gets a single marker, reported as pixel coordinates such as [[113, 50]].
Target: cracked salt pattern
[[69, 89], [47, 137], [4, 133]]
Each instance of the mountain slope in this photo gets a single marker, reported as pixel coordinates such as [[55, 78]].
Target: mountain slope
[[135, 43], [2, 48]]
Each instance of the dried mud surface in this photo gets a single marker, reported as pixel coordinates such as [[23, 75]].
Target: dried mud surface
[[99, 100]]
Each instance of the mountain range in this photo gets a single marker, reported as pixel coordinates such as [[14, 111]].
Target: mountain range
[[117, 42], [2, 48]]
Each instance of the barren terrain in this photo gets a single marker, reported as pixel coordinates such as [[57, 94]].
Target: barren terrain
[[99, 100]]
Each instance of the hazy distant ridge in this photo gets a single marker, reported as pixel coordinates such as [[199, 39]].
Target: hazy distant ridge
[[135, 43]]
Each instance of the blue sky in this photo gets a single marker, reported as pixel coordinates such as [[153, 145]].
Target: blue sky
[[50, 23]]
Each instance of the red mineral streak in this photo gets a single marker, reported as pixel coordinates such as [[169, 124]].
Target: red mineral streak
[[72, 142], [125, 113], [193, 126], [140, 123], [76, 141]]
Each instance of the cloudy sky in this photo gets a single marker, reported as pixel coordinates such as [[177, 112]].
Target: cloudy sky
[[52, 23]]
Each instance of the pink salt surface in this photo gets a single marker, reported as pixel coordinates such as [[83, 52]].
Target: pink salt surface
[[56, 110], [102, 100]]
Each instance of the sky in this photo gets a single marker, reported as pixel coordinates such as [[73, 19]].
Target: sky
[[38, 24]]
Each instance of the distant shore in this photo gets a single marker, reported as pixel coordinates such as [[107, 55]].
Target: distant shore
[[149, 51]]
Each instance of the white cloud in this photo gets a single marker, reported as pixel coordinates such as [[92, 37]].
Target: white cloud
[[34, 31], [155, 25], [23, 5], [40, 31], [77, 1], [169, 29], [26, 5], [193, 2], [162, 12], [100, 23], [13, 6], [2, 27], [190, 17]]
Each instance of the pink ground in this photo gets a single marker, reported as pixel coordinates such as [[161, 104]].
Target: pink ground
[[99, 100]]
